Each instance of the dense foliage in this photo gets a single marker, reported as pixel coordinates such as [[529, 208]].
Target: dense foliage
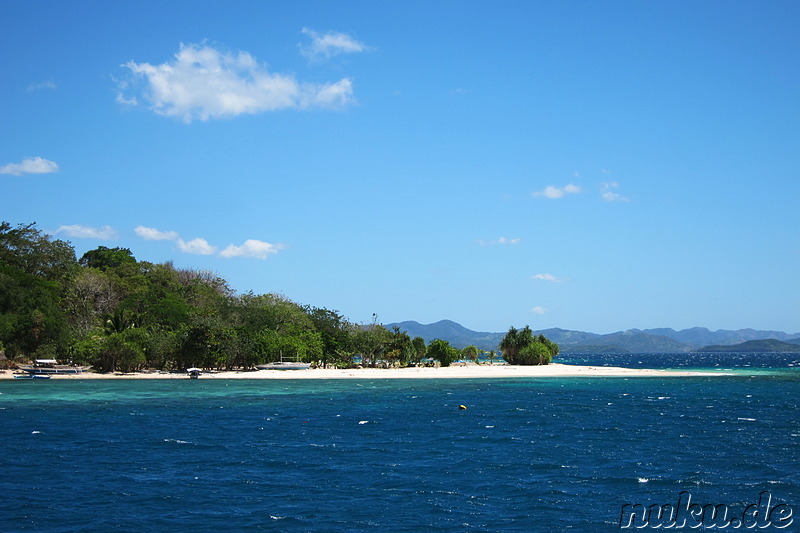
[[522, 347], [111, 311], [116, 313]]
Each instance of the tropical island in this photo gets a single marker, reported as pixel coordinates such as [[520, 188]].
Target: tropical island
[[119, 314]]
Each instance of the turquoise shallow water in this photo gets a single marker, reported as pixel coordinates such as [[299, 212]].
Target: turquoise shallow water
[[551, 454]]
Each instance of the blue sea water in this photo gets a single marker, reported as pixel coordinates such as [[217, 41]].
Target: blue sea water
[[535, 454]]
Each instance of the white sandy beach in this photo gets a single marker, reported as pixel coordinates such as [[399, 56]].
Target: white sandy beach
[[455, 371]]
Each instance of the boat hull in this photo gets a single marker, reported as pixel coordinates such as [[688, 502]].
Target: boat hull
[[60, 369], [284, 366]]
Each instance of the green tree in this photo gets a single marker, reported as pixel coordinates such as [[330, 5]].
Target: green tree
[[91, 295], [419, 349], [441, 351], [104, 259], [31, 314], [118, 321], [521, 347], [399, 349], [121, 350], [514, 341], [534, 353], [471, 353], [34, 269], [334, 333], [27, 249], [371, 341]]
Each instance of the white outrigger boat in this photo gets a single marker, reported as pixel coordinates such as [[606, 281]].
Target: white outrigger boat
[[284, 365], [51, 366]]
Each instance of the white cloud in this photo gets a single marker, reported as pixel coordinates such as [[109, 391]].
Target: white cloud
[[49, 84], [251, 248], [326, 45], [199, 246], [547, 277], [30, 165], [131, 101], [539, 310], [196, 246], [203, 83], [553, 192], [608, 194], [501, 240], [85, 232], [152, 234]]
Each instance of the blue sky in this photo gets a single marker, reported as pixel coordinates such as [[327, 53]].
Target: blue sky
[[586, 165]]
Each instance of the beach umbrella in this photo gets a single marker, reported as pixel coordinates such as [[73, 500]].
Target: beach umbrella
[[193, 369]]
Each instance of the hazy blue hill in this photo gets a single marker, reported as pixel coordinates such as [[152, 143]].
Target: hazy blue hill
[[637, 341], [659, 340], [454, 333], [568, 337], [704, 337], [761, 346]]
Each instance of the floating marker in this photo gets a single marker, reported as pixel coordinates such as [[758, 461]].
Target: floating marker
[[462, 406]]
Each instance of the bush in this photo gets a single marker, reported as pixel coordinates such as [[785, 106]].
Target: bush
[[535, 353], [520, 347]]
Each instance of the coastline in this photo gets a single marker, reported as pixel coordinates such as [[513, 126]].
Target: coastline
[[452, 372]]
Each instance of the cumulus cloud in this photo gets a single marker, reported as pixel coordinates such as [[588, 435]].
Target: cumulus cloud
[[547, 277], [539, 310], [251, 248], [199, 246], [85, 232], [30, 165], [202, 83], [327, 45], [152, 234], [501, 240], [554, 192], [196, 246], [608, 194]]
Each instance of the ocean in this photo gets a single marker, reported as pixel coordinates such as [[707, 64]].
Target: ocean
[[534, 454]]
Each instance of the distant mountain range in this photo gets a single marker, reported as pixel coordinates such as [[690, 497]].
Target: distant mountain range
[[661, 340]]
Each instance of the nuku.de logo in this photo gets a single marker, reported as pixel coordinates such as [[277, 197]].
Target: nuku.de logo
[[686, 514]]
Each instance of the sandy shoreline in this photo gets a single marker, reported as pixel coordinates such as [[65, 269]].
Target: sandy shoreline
[[469, 371]]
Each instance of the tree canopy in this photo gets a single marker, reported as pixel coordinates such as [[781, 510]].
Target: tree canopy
[[522, 347], [117, 313]]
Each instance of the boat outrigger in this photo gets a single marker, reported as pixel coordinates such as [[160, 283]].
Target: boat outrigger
[[30, 376], [285, 364], [51, 366]]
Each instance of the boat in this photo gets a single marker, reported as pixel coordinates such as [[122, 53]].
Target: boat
[[283, 364], [30, 376], [51, 366]]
